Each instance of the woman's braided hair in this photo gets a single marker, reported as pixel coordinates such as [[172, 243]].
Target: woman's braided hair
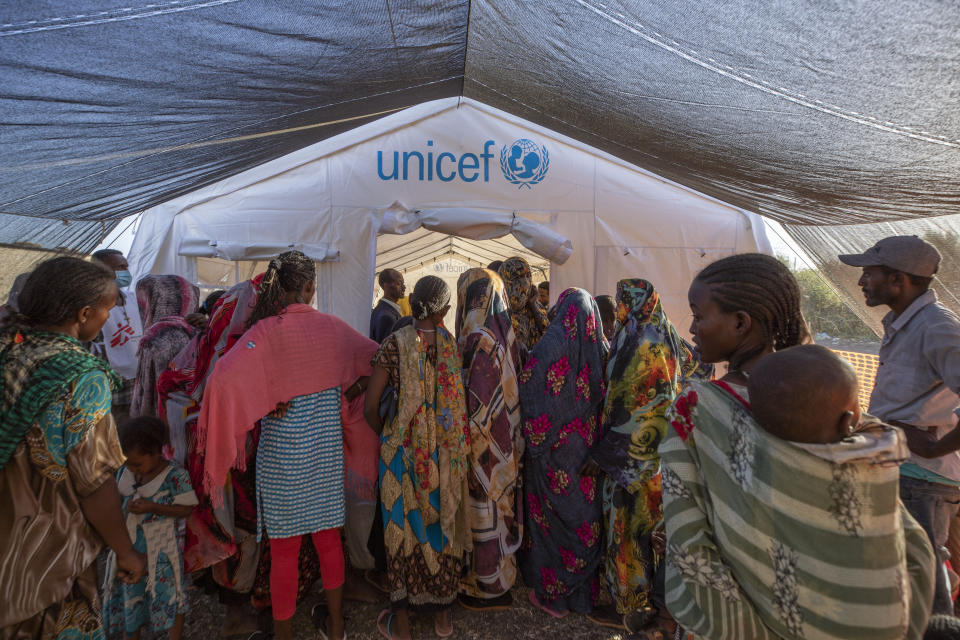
[[430, 296], [58, 288], [764, 288], [289, 271]]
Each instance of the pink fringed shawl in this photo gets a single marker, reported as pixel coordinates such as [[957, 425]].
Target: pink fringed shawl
[[298, 352]]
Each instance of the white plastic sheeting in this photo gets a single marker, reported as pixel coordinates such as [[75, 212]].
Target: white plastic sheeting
[[457, 166], [478, 225]]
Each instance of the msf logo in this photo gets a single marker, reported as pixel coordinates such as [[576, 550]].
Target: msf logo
[[522, 163]]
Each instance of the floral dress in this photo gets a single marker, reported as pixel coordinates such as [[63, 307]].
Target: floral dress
[[159, 596], [649, 362], [424, 464], [561, 395]]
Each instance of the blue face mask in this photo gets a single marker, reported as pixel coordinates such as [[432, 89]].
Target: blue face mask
[[124, 279]]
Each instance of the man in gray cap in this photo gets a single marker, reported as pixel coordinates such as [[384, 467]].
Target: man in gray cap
[[918, 383]]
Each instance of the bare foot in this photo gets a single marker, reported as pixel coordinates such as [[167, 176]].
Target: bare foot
[[356, 588], [443, 623], [238, 621]]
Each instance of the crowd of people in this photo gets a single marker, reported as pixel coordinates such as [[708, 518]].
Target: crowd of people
[[251, 445]]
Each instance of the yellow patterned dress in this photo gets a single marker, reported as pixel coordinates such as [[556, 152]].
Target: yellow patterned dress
[[649, 362], [424, 464]]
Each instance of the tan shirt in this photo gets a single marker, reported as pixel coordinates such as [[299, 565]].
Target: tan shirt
[[918, 378]]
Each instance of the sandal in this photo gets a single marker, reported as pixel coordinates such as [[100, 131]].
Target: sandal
[[368, 575], [606, 617], [638, 619], [500, 603], [535, 602], [385, 630], [436, 628], [320, 617]]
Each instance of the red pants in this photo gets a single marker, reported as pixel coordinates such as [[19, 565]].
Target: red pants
[[285, 556]]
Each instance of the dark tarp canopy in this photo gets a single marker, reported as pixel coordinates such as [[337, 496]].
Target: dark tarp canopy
[[845, 113]]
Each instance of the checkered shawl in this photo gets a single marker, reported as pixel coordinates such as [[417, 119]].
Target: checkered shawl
[[36, 368]]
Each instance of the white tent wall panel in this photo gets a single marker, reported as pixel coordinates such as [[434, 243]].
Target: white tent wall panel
[[333, 193]]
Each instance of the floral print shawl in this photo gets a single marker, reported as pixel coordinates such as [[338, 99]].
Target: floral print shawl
[[561, 393], [529, 324], [430, 430], [649, 363]]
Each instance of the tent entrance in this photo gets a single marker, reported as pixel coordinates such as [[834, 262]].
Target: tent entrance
[[448, 242], [423, 252]]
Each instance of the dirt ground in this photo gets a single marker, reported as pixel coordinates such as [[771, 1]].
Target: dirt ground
[[521, 622]]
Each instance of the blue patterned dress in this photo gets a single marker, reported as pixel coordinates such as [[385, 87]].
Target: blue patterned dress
[[300, 468], [159, 596]]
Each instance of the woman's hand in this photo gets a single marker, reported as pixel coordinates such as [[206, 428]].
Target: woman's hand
[[658, 540], [590, 467], [196, 320], [371, 406], [281, 411], [357, 388], [131, 566]]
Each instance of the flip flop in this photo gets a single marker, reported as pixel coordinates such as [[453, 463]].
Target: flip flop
[[368, 576], [385, 631], [639, 619], [597, 618], [500, 603], [320, 616], [609, 623], [535, 602], [436, 628]]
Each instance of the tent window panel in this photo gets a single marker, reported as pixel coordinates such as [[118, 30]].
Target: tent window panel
[[217, 273]]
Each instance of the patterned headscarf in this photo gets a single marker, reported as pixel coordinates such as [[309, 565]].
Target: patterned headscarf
[[162, 297], [163, 301], [430, 296], [649, 363], [228, 318], [482, 303], [529, 324], [36, 368]]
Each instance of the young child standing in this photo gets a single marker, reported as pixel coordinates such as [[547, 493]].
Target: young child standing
[[155, 492]]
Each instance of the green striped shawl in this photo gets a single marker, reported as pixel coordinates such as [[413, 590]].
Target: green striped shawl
[[765, 539], [36, 368]]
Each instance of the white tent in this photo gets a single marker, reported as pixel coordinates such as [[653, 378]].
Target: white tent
[[447, 178]]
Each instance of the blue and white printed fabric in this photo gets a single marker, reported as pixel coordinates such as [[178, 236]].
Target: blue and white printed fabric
[[300, 468]]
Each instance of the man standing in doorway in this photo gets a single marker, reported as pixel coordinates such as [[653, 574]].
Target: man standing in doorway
[[918, 383], [387, 311], [543, 294], [120, 339]]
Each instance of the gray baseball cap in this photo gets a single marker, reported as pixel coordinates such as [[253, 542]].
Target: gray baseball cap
[[908, 254]]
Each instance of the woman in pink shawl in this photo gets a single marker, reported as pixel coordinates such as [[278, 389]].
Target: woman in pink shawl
[[289, 372], [163, 302]]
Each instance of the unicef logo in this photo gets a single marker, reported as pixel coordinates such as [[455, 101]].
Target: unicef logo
[[524, 163]]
